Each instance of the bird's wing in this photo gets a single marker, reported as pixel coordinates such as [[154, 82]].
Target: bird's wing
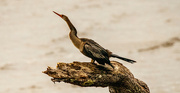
[[95, 51]]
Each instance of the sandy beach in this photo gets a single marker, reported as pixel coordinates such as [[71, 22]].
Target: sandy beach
[[32, 37]]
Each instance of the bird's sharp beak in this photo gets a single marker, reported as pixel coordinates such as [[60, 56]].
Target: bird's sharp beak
[[57, 14]]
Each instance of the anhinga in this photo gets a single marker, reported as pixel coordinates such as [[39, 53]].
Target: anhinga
[[89, 47]]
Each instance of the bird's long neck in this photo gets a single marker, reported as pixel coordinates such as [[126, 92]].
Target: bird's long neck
[[73, 34]]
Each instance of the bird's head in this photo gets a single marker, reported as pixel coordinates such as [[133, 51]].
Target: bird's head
[[61, 15]]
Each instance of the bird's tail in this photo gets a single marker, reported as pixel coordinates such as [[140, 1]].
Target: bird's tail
[[122, 58]]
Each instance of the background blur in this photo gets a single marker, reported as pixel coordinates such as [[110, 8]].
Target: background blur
[[32, 37]]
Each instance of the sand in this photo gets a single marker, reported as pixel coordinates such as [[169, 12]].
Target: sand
[[32, 37]]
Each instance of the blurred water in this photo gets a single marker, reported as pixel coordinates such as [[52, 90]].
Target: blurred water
[[32, 38]]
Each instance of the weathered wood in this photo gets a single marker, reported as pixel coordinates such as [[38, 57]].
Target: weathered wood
[[86, 74]]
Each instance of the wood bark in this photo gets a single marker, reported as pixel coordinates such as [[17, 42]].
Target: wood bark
[[87, 74]]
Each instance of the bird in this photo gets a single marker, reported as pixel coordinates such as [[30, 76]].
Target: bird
[[89, 47]]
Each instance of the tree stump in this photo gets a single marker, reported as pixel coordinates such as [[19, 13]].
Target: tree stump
[[87, 74]]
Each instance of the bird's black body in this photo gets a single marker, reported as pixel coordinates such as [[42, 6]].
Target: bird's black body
[[95, 51]]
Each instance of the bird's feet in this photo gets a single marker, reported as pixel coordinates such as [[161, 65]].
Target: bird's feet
[[92, 61]]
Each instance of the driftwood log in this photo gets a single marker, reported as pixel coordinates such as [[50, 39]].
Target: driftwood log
[[86, 74]]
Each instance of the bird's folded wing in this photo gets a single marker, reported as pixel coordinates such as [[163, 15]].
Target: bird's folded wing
[[95, 51]]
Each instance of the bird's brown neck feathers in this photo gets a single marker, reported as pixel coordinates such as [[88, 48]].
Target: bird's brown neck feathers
[[73, 34]]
